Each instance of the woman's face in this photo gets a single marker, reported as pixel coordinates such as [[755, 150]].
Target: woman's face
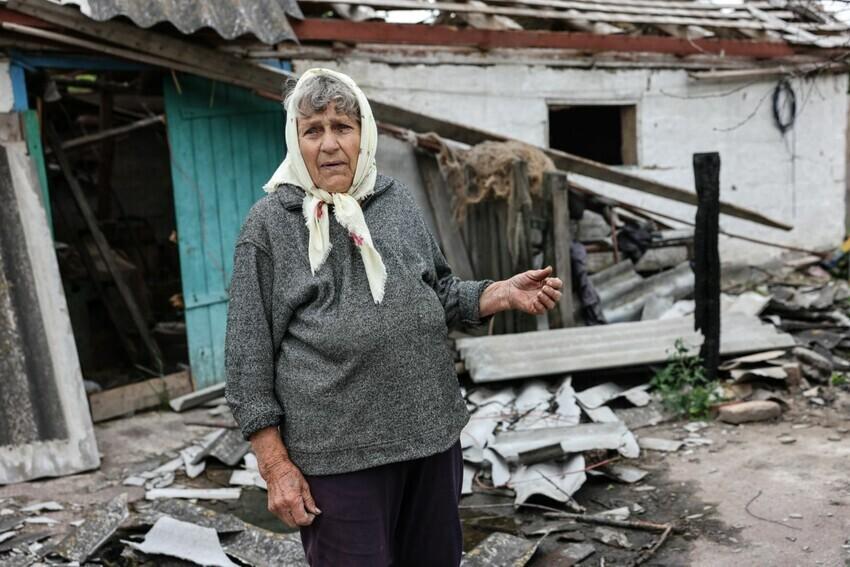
[[330, 146]]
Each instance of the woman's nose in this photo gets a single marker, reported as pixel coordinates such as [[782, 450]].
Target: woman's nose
[[329, 142]]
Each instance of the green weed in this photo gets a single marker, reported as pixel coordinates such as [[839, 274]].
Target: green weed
[[683, 386]]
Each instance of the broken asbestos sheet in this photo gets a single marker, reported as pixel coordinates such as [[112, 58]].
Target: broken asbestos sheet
[[533, 441], [560, 441], [183, 540]]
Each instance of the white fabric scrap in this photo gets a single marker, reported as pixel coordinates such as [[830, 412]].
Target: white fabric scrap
[[184, 540]]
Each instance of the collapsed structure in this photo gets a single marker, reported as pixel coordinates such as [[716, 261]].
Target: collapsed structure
[[558, 135]]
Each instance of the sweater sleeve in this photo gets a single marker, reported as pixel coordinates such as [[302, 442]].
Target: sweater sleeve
[[460, 298], [249, 343]]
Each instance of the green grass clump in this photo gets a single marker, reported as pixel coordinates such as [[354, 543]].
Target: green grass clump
[[683, 386]]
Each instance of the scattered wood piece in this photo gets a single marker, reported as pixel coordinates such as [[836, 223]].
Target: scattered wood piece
[[112, 132], [148, 394], [99, 526], [199, 493], [197, 398]]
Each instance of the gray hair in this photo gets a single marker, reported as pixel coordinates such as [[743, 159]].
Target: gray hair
[[320, 91]]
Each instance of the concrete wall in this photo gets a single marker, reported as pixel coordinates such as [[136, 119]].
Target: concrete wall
[[798, 178]]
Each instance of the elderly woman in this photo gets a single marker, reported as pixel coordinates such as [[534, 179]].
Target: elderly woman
[[339, 370]]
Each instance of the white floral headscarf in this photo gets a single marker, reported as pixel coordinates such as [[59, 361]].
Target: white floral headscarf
[[346, 205]]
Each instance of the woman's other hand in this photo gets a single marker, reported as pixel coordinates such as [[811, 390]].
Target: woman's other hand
[[289, 495], [534, 292]]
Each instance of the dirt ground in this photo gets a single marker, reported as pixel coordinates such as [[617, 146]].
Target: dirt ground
[[746, 499]]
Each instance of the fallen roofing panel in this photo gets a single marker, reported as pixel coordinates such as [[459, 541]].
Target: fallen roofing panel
[[45, 425], [541, 353]]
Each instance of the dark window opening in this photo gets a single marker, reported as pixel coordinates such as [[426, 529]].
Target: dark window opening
[[606, 134]]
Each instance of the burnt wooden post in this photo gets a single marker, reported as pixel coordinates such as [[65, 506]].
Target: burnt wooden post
[[707, 259], [558, 241]]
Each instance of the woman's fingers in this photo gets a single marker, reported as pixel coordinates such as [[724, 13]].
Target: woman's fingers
[[539, 275], [554, 283], [309, 503], [553, 294], [545, 300], [301, 516]]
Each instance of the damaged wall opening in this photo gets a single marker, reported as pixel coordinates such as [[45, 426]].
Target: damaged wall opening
[[603, 133], [125, 178]]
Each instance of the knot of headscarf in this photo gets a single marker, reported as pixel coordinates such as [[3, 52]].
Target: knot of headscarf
[[346, 205]]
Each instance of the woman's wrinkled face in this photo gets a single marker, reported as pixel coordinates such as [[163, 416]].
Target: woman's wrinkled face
[[330, 146]]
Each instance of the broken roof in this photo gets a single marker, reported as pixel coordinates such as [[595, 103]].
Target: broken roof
[[264, 19], [799, 22]]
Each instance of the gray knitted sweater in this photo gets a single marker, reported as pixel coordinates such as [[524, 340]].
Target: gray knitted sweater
[[351, 384]]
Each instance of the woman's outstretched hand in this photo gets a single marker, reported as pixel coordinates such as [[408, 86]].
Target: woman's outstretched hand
[[534, 292]]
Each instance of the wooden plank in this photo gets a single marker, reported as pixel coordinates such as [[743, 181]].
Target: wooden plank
[[454, 246], [152, 393], [104, 248], [319, 29], [112, 132], [560, 15], [563, 238]]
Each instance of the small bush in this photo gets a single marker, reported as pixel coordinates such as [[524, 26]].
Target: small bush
[[683, 386], [838, 379]]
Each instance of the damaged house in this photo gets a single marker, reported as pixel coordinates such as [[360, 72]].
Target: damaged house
[[136, 137]]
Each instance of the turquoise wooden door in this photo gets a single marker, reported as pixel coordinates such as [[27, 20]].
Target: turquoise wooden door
[[225, 143]]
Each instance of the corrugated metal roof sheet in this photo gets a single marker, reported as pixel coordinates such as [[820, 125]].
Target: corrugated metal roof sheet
[[264, 19]]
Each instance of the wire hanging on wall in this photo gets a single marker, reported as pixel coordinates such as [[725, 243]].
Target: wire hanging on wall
[[784, 105]]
